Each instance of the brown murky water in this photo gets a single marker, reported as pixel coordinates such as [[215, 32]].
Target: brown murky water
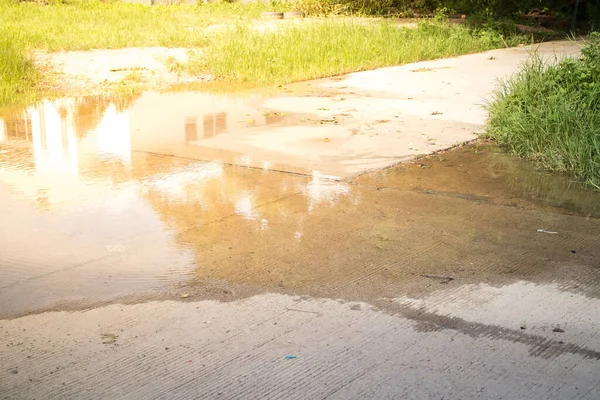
[[104, 198], [484, 172]]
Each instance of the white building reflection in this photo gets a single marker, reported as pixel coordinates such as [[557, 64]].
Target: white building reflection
[[43, 154], [86, 148], [113, 135], [322, 189], [54, 140]]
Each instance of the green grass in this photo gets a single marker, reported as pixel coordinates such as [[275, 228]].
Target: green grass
[[84, 25], [330, 48], [240, 54], [550, 112], [18, 76]]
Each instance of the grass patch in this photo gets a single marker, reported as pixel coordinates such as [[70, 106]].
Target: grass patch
[[550, 112], [91, 24], [332, 48], [84, 25], [18, 76], [239, 54]]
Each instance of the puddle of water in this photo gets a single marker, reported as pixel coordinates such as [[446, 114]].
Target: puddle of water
[[182, 124], [89, 179], [484, 172], [123, 199]]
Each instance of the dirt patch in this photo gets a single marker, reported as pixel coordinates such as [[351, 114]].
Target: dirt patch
[[102, 71]]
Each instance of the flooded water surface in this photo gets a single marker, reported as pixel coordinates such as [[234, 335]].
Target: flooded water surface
[[484, 172], [346, 238], [103, 198]]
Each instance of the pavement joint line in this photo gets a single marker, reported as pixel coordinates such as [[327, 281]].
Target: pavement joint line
[[224, 163]]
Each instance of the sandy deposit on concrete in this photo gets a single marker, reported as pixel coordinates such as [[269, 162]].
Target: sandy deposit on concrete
[[102, 70], [98, 71]]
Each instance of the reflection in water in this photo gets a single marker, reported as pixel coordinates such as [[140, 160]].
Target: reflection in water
[[63, 151], [116, 212], [214, 124], [173, 185], [69, 151], [106, 210], [191, 130], [243, 206], [320, 191], [113, 135]]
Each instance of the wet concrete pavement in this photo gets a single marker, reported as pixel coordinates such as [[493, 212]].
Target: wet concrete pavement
[[137, 261]]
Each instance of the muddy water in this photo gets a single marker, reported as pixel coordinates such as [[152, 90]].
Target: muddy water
[[103, 198], [484, 172]]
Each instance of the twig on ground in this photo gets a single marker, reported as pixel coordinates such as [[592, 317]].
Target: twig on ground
[[304, 311], [443, 278]]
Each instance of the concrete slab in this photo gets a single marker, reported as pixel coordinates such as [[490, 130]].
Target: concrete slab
[[282, 347], [388, 115], [373, 119]]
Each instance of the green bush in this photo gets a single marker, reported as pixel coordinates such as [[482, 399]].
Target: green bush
[[374, 7], [345, 7], [550, 112], [484, 8]]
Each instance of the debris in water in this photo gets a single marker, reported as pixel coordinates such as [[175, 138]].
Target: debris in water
[[545, 231], [290, 357], [442, 278], [108, 338], [558, 330], [328, 121]]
